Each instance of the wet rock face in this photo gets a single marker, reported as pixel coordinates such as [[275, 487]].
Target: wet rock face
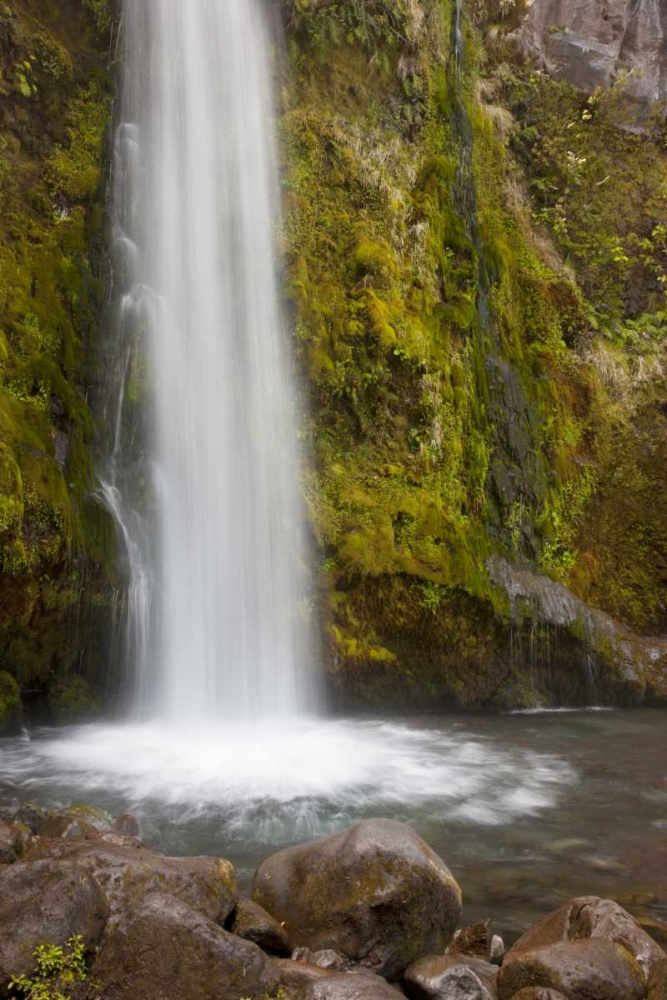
[[127, 872], [349, 986], [580, 970], [375, 893], [445, 977], [164, 949], [590, 917], [591, 42], [41, 902], [250, 921]]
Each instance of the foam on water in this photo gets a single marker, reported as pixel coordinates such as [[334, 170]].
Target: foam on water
[[284, 781]]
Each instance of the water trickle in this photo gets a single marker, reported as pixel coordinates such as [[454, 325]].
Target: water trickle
[[203, 474]]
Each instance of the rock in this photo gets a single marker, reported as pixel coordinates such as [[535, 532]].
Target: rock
[[657, 981], [64, 825], [595, 969], [164, 949], [538, 993], [251, 922], [128, 826], [375, 893], [497, 949], [592, 917], [127, 872], [349, 986], [451, 977], [42, 903], [474, 940], [590, 44], [31, 815], [13, 841], [297, 975], [331, 960]]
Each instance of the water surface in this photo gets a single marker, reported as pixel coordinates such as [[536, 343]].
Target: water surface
[[528, 810]]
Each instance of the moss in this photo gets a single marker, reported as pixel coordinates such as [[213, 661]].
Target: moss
[[53, 187], [10, 701], [458, 405], [71, 700]]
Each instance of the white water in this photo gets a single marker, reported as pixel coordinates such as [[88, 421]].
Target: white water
[[277, 783], [217, 628]]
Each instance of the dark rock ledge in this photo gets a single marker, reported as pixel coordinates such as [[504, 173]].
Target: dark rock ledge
[[370, 913]]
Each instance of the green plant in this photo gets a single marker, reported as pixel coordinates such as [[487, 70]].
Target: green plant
[[56, 969]]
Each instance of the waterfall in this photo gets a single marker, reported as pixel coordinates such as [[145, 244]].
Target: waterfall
[[204, 487]]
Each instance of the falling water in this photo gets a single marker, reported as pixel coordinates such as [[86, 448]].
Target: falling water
[[206, 493]]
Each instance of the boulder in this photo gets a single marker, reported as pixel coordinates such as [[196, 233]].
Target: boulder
[[30, 815], [127, 825], [13, 841], [592, 917], [497, 950], [251, 922], [591, 44], [375, 893], [475, 940], [595, 969], [538, 993], [65, 825], [657, 982], [451, 977], [295, 976], [349, 986], [331, 960], [127, 872], [164, 949], [41, 903]]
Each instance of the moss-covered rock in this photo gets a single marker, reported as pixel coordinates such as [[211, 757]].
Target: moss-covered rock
[[482, 333], [10, 701], [55, 104]]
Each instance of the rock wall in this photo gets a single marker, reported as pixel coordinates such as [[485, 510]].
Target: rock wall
[[594, 43], [475, 265]]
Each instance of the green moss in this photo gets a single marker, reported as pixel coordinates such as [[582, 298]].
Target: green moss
[[10, 701], [52, 159], [71, 700]]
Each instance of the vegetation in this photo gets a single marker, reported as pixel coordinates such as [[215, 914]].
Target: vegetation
[[57, 970], [476, 268], [469, 305], [55, 103]]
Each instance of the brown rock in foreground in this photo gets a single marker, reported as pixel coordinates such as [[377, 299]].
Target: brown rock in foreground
[[44, 903], [127, 872], [376, 893], [251, 922], [582, 970], [163, 949], [538, 993], [591, 917], [439, 977], [349, 986]]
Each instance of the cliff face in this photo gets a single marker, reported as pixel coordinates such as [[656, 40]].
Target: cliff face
[[594, 43], [55, 102], [475, 269]]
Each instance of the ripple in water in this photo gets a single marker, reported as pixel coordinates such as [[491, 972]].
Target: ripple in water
[[284, 781]]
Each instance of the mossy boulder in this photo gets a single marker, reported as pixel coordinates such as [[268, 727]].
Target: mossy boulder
[[578, 969], [41, 902], [163, 948], [375, 893], [128, 872]]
